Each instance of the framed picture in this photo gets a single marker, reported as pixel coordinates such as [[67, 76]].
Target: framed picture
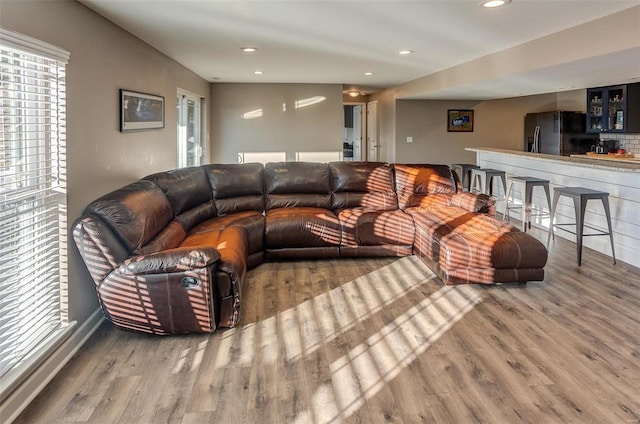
[[460, 120], [140, 111]]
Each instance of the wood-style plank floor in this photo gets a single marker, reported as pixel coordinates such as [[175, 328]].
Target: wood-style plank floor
[[373, 341]]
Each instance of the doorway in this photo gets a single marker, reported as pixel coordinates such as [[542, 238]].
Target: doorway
[[353, 131], [373, 146]]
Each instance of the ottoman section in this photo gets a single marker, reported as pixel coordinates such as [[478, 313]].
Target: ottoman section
[[506, 251], [464, 247], [435, 223]]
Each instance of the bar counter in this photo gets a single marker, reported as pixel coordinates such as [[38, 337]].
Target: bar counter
[[621, 179]]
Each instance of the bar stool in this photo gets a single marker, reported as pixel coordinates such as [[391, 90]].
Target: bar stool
[[580, 196], [526, 185], [484, 179], [463, 171]]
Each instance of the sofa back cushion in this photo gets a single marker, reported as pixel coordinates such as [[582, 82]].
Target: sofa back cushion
[[236, 187], [185, 188], [362, 184], [189, 193], [99, 246], [416, 182], [297, 184], [136, 213]]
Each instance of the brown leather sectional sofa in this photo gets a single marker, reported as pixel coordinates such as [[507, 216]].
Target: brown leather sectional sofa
[[169, 253]]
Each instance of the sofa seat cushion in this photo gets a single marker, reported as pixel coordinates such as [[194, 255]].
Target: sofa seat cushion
[[231, 243], [301, 227], [251, 222], [364, 227]]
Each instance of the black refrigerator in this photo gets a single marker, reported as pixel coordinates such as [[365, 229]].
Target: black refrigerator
[[557, 133]]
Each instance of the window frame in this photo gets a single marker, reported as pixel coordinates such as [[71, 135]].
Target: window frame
[[33, 172]]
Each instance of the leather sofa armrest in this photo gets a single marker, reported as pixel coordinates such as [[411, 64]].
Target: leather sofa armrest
[[171, 260], [474, 202]]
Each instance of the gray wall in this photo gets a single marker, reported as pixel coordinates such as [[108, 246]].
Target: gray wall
[[318, 127], [497, 123], [104, 58]]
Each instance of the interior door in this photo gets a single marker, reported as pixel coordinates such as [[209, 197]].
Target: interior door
[[372, 132], [357, 133]]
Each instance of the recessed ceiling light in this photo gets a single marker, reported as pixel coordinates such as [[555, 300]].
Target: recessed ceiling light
[[405, 52], [258, 72], [368, 73], [493, 3], [249, 49]]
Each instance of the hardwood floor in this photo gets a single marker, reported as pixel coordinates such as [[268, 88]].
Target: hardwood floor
[[378, 340]]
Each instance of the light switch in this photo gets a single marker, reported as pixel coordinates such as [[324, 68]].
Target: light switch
[[409, 139]]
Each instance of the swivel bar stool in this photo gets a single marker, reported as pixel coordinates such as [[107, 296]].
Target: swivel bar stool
[[526, 185], [482, 180], [463, 171], [580, 196]]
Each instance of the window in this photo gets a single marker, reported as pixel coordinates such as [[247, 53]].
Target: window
[[189, 130], [33, 220]]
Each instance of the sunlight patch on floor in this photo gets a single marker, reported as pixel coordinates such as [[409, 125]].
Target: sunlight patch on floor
[[361, 374], [379, 324]]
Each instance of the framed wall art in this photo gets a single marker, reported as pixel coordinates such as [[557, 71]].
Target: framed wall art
[[460, 120], [140, 111]]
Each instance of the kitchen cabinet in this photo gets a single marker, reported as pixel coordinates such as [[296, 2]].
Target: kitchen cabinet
[[614, 109]]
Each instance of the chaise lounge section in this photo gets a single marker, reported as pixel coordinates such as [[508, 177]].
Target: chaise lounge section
[[169, 253]]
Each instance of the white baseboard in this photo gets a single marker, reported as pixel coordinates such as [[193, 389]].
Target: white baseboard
[[20, 398]]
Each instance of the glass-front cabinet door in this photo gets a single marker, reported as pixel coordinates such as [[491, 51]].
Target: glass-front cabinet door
[[607, 109], [617, 108], [594, 112]]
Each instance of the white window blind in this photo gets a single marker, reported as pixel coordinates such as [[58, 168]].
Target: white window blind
[[33, 219]]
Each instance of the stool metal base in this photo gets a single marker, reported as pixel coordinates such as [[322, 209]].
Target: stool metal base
[[463, 172], [526, 185], [580, 196], [482, 180]]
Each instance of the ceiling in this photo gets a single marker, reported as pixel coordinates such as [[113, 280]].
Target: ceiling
[[337, 41]]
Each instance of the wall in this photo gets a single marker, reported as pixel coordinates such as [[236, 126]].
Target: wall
[[318, 127], [104, 58], [497, 123]]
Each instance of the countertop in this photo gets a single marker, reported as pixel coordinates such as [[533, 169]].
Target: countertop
[[582, 160], [608, 157]]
